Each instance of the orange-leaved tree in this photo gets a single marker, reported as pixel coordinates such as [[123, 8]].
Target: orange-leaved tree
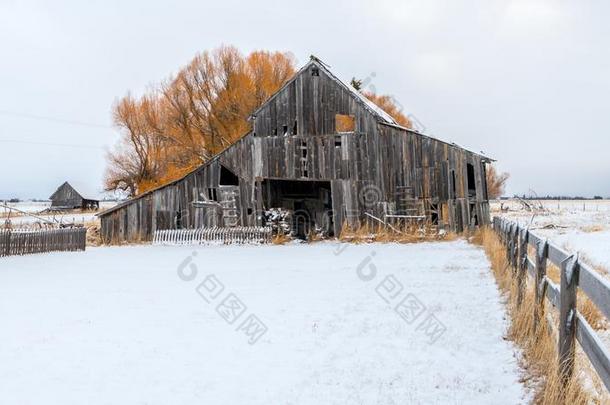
[[385, 102], [496, 182], [191, 116]]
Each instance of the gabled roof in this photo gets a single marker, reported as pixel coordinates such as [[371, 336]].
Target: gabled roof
[[85, 191], [368, 104]]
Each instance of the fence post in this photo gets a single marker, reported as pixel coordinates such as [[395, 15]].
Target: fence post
[[542, 251], [515, 251], [509, 242], [8, 243], [522, 264], [567, 315]]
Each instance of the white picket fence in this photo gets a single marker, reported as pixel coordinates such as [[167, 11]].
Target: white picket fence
[[213, 235]]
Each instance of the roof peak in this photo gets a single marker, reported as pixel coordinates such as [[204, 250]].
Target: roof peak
[[314, 58], [378, 112]]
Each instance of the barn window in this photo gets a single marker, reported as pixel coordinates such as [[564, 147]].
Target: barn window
[[212, 194], [345, 123], [304, 163], [315, 71], [294, 128], [285, 130], [337, 141], [472, 188], [227, 177]]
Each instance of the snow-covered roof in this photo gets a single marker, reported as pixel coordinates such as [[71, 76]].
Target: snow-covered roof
[[375, 109]]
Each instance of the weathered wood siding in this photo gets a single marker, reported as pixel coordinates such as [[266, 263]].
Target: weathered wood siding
[[294, 138], [66, 196]]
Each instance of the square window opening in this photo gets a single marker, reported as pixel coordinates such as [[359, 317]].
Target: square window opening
[[345, 123]]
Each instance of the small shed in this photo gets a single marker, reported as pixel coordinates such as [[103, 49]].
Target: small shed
[[68, 196]]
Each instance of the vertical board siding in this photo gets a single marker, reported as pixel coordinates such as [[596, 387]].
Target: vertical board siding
[[412, 172]]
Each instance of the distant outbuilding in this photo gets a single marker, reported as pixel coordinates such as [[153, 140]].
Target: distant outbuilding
[[68, 196]]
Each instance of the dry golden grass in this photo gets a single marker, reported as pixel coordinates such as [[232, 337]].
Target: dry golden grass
[[592, 228], [94, 238], [314, 237], [412, 233], [280, 239], [538, 346], [588, 309]]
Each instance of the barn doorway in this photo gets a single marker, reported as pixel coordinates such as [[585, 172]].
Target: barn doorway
[[308, 202]]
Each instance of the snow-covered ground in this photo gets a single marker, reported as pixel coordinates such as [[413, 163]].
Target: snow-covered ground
[[38, 206], [29, 206], [582, 226], [324, 323], [72, 217], [19, 219]]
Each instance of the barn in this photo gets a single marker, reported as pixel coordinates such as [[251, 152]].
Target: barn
[[321, 151], [69, 196]]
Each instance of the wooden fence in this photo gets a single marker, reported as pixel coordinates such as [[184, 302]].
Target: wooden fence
[[220, 235], [575, 276], [25, 241]]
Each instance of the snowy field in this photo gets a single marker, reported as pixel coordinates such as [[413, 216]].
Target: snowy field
[[73, 217], [582, 226], [19, 219], [326, 323], [38, 206], [29, 206]]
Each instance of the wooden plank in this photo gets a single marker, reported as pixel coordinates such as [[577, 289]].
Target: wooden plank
[[594, 348], [595, 287], [551, 291]]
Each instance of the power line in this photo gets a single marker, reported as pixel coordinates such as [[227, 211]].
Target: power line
[[65, 145], [53, 119]]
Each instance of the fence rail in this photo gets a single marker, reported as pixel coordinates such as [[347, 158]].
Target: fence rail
[[220, 235], [25, 241], [573, 327]]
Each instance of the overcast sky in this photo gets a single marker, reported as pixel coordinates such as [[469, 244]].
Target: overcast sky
[[527, 82]]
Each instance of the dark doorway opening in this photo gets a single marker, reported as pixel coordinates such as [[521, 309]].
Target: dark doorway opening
[[309, 202]]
